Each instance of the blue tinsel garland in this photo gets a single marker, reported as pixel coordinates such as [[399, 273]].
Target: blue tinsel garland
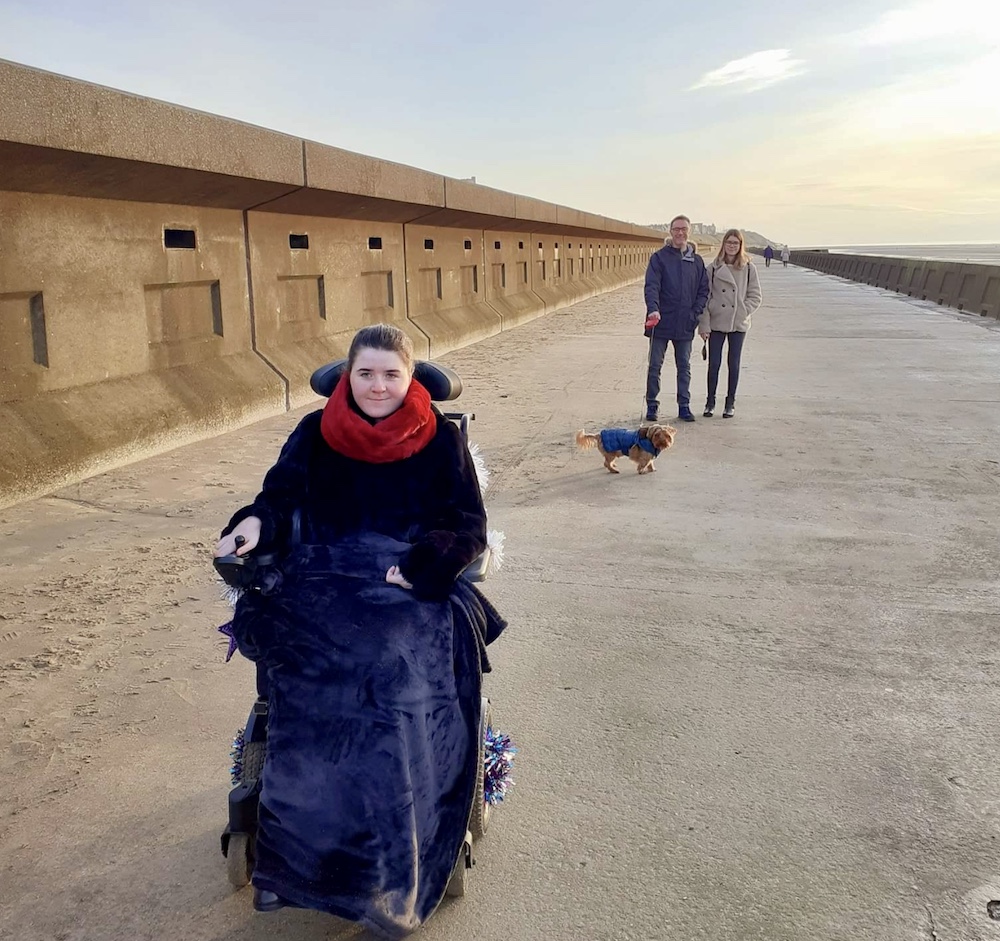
[[236, 753], [499, 758]]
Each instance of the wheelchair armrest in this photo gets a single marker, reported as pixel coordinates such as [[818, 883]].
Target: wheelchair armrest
[[476, 570]]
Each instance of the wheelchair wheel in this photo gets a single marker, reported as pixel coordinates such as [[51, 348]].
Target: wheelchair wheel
[[239, 860], [253, 760], [479, 822]]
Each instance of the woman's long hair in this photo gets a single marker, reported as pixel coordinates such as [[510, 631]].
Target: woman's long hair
[[742, 258]]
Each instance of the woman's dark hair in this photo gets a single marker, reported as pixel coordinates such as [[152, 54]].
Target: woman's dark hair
[[382, 336]]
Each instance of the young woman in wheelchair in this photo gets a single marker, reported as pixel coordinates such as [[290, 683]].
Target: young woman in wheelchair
[[372, 658]]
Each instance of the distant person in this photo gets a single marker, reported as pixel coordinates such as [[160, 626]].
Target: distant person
[[676, 294], [734, 294], [768, 255], [784, 257]]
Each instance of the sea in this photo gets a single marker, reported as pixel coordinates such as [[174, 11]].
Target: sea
[[981, 253]]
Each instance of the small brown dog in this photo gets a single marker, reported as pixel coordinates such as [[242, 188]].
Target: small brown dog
[[642, 446]]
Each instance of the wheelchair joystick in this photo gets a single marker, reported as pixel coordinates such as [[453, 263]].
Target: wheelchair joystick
[[240, 571]]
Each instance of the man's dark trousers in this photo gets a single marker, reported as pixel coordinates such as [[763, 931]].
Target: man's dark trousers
[[682, 359]]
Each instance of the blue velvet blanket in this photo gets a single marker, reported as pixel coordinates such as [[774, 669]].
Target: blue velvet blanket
[[372, 732]]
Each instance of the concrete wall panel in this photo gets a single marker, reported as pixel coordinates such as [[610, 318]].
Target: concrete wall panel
[[446, 287], [315, 282], [113, 346], [115, 300], [508, 277]]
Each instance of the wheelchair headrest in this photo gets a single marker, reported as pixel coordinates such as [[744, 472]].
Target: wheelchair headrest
[[442, 383]]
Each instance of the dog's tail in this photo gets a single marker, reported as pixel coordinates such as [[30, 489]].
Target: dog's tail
[[585, 442]]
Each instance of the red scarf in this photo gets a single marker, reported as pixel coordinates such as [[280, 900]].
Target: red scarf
[[402, 434]]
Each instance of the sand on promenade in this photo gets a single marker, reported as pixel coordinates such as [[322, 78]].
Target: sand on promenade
[[755, 693]]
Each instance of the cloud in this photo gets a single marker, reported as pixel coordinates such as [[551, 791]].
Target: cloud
[[754, 72], [931, 20]]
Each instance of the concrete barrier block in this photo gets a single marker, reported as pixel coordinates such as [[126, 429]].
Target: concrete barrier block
[[63, 114], [910, 279], [112, 310], [989, 302], [446, 287], [556, 271], [508, 277], [56, 438], [539, 215], [344, 185], [572, 221], [98, 289], [465, 196], [978, 290], [316, 281]]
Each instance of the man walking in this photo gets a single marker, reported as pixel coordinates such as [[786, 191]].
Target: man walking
[[676, 294], [768, 255]]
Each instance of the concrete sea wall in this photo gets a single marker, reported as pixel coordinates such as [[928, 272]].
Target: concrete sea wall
[[971, 288], [167, 274]]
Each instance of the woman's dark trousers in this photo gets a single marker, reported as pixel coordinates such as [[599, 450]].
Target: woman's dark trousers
[[715, 343]]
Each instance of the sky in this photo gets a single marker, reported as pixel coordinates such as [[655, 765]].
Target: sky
[[811, 122]]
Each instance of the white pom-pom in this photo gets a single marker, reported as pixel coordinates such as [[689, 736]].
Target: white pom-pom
[[230, 594], [482, 471], [495, 539]]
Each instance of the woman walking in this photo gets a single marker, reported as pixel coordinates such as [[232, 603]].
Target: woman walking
[[734, 294]]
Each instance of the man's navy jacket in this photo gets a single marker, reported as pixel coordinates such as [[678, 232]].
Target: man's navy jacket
[[676, 286]]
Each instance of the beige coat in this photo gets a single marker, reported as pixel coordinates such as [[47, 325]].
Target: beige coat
[[733, 295]]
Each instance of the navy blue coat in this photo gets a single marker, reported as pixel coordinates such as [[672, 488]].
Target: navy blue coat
[[623, 439], [677, 287]]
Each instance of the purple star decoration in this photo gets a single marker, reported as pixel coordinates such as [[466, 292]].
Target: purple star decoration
[[227, 629]]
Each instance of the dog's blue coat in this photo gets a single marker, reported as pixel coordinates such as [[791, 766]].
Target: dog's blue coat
[[621, 439], [372, 733]]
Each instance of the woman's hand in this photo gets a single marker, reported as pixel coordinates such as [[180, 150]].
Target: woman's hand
[[704, 334], [249, 529], [395, 577]]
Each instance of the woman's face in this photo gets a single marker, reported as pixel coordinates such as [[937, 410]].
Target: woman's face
[[733, 245], [379, 382]]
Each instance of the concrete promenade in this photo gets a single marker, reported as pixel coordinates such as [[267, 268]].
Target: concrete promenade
[[756, 693]]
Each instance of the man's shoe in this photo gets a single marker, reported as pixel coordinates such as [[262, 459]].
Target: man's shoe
[[651, 416], [684, 414], [267, 901]]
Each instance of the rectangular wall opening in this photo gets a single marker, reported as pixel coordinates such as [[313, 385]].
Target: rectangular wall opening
[[23, 337], [299, 242], [39, 339], [179, 238]]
